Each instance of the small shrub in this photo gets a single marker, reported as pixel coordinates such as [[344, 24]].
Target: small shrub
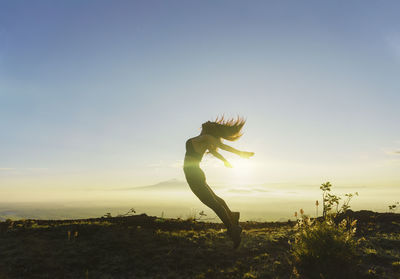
[[130, 212], [107, 215], [322, 248], [193, 216], [394, 207]]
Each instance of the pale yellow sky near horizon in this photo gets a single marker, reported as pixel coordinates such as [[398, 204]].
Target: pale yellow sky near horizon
[[46, 184]]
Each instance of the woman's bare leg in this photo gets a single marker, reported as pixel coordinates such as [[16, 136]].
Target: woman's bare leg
[[234, 215], [208, 197], [223, 203]]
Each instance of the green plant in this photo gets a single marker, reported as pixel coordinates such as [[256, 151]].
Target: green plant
[[394, 207], [323, 248], [130, 212], [192, 216], [329, 200], [107, 215]]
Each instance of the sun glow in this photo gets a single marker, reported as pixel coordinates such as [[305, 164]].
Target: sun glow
[[243, 171]]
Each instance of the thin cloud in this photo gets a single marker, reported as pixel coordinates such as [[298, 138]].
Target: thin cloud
[[24, 169], [392, 152], [37, 169], [162, 164]]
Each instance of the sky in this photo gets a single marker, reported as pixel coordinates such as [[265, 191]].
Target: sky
[[104, 94]]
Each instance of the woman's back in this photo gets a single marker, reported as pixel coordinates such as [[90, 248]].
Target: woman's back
[[197, 146], [191, 152]]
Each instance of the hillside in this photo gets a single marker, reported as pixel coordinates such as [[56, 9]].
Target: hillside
[[169, 185], [142, 246]]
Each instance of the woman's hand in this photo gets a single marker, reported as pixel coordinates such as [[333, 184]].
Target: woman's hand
[[227, 164], [245, 154]]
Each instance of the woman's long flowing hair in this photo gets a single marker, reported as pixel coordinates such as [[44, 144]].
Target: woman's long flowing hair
[[229, 129]]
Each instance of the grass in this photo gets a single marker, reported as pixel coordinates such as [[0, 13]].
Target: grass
[[148, 247]]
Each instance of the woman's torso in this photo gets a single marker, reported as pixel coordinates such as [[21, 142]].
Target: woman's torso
[[195, 149], [192, 156]]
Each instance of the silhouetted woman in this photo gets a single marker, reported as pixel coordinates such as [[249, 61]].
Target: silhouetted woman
[[210, 139]]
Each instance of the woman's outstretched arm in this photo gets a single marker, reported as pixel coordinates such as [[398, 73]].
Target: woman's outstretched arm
[[222, 158], [243, 154]]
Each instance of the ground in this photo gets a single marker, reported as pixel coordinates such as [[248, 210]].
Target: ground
[[142, 246]]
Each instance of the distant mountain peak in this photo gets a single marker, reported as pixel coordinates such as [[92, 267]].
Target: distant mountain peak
[[171, 184]]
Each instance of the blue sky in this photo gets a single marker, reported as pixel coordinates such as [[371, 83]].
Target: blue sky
[[104, 94]]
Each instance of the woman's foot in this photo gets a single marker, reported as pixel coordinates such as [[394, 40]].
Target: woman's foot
[[235, 233], [235, 217]]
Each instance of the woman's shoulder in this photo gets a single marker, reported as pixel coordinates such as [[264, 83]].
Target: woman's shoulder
[[206, 137], [211, 139], [202, 138]]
